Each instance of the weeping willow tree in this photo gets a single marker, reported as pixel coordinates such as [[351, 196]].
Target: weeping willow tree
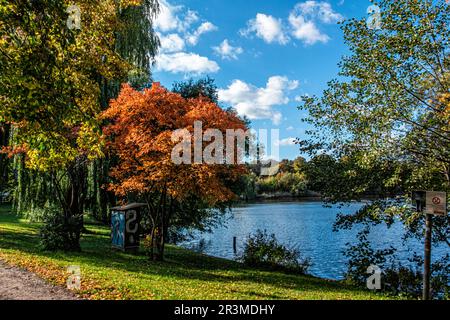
[[138, 44], [4, 162], [130, 46]]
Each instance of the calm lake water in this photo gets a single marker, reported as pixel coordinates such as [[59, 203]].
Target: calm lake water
[[306, 225]]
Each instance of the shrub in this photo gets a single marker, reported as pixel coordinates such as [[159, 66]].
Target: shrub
[[60, 233], [361, 256], [396, 279], [263, 250], [403, 281], [293, 183]]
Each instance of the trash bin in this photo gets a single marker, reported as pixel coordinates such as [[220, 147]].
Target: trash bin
[[125, 226]]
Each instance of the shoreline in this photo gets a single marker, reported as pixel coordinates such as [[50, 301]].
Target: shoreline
[[287, 197]]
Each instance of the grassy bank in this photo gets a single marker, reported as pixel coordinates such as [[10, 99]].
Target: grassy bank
[[108, 274]]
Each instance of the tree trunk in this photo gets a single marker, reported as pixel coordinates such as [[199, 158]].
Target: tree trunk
[[104, 198], [160, 207], [157, 244], [163, 227], [72, 201]]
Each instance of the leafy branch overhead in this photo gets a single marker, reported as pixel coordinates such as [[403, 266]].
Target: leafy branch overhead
[[49, 84], [391, 99]]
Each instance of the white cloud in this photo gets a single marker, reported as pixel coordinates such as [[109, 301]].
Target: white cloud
[[227, 51], [177, 18], [306, 31], [185, 62], [258, 103], [303, 24], [290, 128], [267, 28], [171, 43], [320, 10], [172, 18], [176, 27], [166, 19], [303, 20], [189, 18], [203, 28], [286, 142]]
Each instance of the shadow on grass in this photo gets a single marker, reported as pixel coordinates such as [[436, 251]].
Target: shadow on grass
[[179, 264]]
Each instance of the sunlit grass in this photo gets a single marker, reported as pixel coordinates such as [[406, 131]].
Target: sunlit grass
[[110, 274]]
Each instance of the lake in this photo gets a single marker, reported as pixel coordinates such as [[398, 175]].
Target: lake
[[306, 225]]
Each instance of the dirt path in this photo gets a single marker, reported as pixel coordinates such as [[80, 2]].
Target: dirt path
[[18, 284]]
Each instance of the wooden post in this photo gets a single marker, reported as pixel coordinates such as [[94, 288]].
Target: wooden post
[[427, 259], [431, 203], [234, 245]]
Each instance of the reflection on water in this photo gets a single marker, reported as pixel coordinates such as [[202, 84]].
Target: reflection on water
[[306, 225]]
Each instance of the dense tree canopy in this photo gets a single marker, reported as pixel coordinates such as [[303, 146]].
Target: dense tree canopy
[[54, 75], [390, 102], [142, 127], [384, 123], [49, 77], [191, 88]]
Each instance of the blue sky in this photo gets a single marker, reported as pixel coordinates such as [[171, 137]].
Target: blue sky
[[262, 54]]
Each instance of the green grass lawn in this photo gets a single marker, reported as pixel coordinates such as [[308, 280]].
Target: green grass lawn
[[110, 274]]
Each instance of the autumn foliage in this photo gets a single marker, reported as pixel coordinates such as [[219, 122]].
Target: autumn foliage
[[142, 124], [52, 81]]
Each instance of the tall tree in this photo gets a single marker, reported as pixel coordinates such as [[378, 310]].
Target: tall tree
[[49, 90], [142, 127], [387, 116], [137, 43], [391, 105]]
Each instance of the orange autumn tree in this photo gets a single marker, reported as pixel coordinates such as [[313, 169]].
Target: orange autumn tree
[[141, 131]]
